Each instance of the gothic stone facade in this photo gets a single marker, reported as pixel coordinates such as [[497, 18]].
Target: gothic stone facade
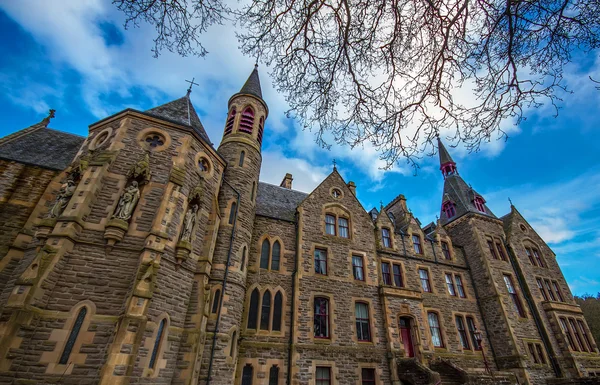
[[143, 255]]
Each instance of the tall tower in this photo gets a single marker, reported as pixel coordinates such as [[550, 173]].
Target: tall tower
[[241, 148]]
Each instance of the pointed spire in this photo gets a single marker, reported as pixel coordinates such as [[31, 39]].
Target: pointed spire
[[252, 85]]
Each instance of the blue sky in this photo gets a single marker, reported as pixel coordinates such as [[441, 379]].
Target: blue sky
[[78, 59]]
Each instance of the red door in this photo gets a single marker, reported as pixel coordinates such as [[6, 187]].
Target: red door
[[406, 336]]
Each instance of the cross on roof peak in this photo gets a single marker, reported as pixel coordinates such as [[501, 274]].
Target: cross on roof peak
[[189, 90]]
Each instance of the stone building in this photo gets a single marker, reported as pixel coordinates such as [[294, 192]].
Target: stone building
[[141, 254]]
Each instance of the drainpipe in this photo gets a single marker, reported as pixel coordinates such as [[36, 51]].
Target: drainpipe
[[534, 312], [294, 273], [403, 244], [224, 285], [433, 248]]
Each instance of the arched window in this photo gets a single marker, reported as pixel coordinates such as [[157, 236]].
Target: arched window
[[230, 121], [265, 311], [277, 311], [261, 126], [274, 375], [216, 299], [243, 263], [247, 374], [264, 254], [242, 156], [449, 209], [276, 256], [253, 310], [479, 203], [233, 344], [64, 358], [157, 343], [247, 120], [232, 213]]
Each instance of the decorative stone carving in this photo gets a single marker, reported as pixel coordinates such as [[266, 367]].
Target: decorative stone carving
[[127, 202], [64, 196], [141, 170], [188, 223]]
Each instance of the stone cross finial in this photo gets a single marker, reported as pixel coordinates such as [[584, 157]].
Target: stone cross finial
[[46, 120], [334, 164]]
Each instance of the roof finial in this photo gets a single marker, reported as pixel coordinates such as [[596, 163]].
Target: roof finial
[[189, 90], [46, 120], [334, 164], [381, 205], [511, 204]]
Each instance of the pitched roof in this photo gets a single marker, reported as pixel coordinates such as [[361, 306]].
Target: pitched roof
[[444, 155], [277, 202], [252, 85], [462, 195], [41, 146], [180, 111]]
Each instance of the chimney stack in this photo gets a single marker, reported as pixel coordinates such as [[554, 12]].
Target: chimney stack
[[287, 181], [352, 186]]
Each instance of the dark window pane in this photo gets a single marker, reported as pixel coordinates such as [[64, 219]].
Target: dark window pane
[[216, 299], [385, 273], [276, 256], [265, 312], [157, 342], [398, 281], [264, 254], [247, 375], [320, 261], [253, 311], [277, 311], [274, 375], [64, 358], [368, 376], [232, 213], [321, 318]]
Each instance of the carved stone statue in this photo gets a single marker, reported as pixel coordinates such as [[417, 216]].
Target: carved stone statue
[[62, 199], [188, 223], [127, 203]]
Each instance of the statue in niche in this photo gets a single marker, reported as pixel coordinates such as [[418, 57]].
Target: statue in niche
[[64, 196], [127, 203], [188, 223]]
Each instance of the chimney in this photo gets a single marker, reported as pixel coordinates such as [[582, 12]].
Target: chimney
[[402, 201], [352, 186], [287, 181]]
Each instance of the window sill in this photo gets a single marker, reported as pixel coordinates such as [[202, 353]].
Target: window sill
[[322, 340]]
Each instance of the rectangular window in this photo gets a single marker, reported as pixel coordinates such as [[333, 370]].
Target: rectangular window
[[330, 224], [398, 281], [532, 352], [472, 330], [321, 319], [450, 284], [323, 375], [462, 333], [557, 291], [501, 251], [549, 288], [417, 244], [385, 273], [542, 289], [586, 338], [434, 328], [363, 329], [385, 236], [424, 276], [446, 250], [320, 261], [492, 249], [538, 257], [344, 228], [567, 332], [540, 354], [459, 287], [357, 268], [367, 376], [577, 335], [530, 256], [514, 296]]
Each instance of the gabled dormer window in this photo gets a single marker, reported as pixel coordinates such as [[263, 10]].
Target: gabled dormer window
[[449, 209], [479, 203]]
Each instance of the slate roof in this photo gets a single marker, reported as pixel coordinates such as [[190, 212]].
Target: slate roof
[[462, 196], [42, 147], [180, 111], [444, 155], [278, 202], [252, 85]]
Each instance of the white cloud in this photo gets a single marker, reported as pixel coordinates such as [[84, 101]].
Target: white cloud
[[306, 176]]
